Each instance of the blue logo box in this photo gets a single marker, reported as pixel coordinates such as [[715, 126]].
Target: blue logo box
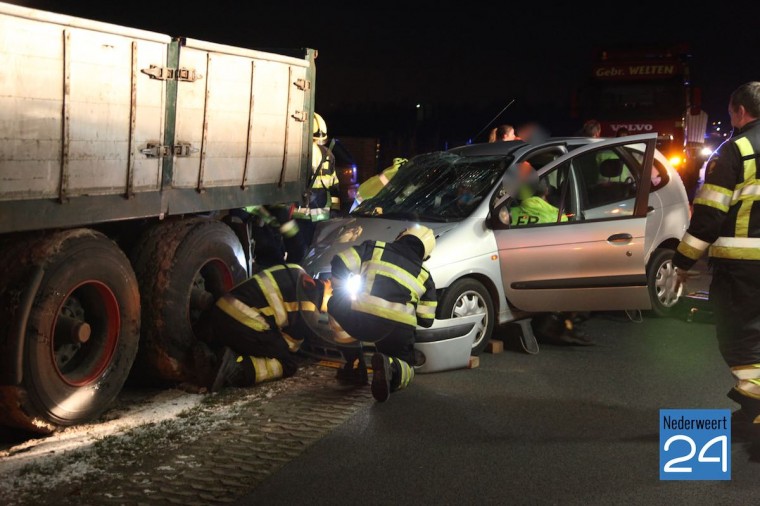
[[695, 444]]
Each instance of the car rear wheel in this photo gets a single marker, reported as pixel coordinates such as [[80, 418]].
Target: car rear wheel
[[467, 297], [661, 278]]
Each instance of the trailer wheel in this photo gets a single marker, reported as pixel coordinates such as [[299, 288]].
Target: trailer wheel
[[182, 267], [82, 332], [467, 297]]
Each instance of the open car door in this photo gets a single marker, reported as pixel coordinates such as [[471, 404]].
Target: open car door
[[591, 254]]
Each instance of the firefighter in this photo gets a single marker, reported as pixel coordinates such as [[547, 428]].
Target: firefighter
[[262, 323], [276, 235], [373, 185], [322, 200], [726, 219], [381, 293]]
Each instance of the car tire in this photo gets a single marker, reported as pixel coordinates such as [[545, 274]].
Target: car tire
[[660, 276], [467, 297]]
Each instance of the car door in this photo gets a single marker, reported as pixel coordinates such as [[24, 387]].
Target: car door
[[592, 255]]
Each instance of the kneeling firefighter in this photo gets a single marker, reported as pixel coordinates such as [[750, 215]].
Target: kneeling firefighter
[[381, 293], [262, 323]]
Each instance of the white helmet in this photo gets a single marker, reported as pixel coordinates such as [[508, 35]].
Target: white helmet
[[424, 234], [319, 129]]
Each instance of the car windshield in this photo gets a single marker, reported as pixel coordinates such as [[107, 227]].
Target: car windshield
[[438, 186]]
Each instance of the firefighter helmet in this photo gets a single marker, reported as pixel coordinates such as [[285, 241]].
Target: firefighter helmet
[[424, 234], [320, 129]]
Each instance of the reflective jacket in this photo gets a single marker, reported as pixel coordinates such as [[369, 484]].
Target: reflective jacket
[[373, 185], [534, 210], [325, 176], [726, 216], [394, 287], [269, 301]]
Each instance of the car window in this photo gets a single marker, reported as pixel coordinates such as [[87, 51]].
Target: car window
[[437, 187]]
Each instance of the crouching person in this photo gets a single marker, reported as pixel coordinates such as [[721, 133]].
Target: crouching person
[[262, 323], [381, 293]]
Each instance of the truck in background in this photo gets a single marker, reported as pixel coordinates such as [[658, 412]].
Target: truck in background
[[648, 90], [122, 153]]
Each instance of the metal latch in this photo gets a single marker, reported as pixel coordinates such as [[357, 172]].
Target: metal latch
[[179, 149], [169, 74], [302, 84], [300, 116]]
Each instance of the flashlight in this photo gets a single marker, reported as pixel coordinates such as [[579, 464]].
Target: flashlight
[[353, 285]]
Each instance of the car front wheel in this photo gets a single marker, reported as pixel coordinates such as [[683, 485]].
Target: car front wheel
[[468, 297]]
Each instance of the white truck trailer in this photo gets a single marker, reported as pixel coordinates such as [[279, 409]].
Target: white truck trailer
[[122, 152]]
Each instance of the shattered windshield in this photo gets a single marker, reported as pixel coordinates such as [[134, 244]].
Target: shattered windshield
[[438, 186]]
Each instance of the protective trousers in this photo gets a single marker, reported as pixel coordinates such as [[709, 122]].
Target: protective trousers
[[389, 339], [735, 297], [255, 344]]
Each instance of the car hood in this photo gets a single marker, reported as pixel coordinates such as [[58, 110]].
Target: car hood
[[335, 235]]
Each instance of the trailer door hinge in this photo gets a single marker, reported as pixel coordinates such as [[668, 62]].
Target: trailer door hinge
[[302, 84], [169, 74], [159, 151]]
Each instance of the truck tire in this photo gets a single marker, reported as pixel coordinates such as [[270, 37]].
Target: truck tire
[[660, 274], [81, 331], [182, 267], [467, 297]]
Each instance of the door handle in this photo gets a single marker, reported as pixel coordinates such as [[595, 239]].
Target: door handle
[[620, 238]]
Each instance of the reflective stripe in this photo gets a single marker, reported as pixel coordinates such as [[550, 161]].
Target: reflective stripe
[[383, 178], [736, 248], [248, 316], [266, 368], [742, 219], [351, 258], [293, 344], [697, 244], [340, 335], [289, 229], [745, 149], [402, 313], [426, 309], [401, 276], [747, 192], [272, 293], [407, 372], [714, 196], [746, 372]]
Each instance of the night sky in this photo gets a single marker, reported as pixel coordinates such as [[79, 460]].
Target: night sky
[[381, 58]]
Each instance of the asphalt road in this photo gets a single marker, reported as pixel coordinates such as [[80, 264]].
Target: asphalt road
[[569, 425]]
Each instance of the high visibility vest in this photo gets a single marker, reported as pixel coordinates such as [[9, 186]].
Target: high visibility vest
[[373, 185], [534, 210]]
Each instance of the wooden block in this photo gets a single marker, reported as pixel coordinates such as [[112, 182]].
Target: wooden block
[[473, 363], [495, 346]]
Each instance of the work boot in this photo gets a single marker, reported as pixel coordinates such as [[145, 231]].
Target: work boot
[[229, 369], [381, 377], [354, 372]]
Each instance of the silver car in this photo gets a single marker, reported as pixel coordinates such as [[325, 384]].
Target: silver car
[[622, 211]]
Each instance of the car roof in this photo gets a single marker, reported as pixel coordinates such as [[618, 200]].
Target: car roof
[[509, 147]]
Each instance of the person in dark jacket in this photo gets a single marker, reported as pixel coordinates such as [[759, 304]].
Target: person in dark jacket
[[726, 223], [262, 323], [381, 293]]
